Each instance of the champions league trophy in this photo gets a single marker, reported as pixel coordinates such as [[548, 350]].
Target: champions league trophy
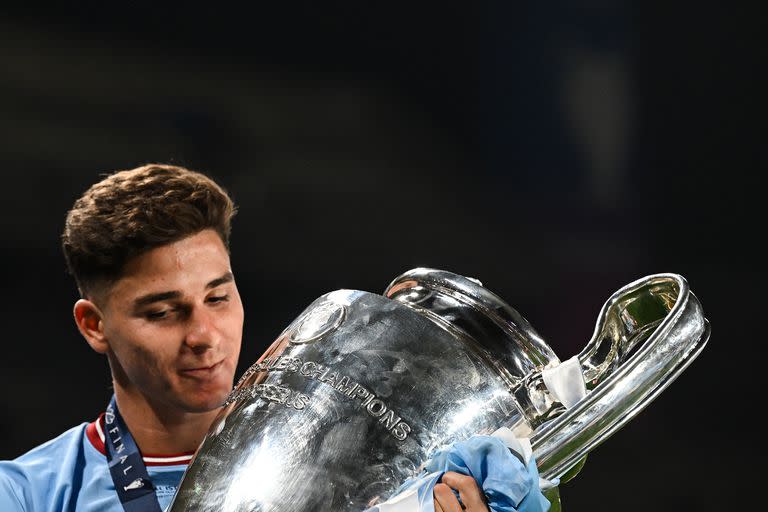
[[361, 389]]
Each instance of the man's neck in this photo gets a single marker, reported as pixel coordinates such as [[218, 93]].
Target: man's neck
[[161, 430]]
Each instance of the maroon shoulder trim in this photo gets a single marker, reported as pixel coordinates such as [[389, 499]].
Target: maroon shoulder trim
[[94, 431]]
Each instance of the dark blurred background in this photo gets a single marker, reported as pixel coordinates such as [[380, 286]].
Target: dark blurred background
[[556, 151]]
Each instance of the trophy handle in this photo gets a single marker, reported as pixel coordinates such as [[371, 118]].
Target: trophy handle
[[647, 333]]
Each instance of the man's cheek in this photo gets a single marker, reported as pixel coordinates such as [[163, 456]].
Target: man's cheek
[[146, 365]]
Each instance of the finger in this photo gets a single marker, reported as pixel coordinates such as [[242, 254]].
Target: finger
[[468, 490], [445, 498]]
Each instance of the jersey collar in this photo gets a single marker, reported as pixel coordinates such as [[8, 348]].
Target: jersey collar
[[95, 433]]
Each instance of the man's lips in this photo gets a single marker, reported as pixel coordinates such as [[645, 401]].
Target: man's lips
[[202, 371]]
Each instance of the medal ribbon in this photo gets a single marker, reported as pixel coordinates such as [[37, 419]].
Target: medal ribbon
[[135, 490]]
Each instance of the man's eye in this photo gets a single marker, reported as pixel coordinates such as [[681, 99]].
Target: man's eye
[[220, 298], [157, 315]]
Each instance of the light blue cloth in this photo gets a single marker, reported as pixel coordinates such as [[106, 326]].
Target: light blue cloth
[[508, 485]]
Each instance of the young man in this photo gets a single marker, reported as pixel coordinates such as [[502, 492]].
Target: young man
[[148, 249]]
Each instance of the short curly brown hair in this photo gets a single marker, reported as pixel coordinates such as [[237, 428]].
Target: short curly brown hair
[[133, 211]]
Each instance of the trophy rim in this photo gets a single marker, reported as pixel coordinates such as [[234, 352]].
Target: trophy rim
[[471, 291]]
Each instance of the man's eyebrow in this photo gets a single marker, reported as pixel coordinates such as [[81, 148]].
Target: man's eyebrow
[[149, 298], [226, 278]]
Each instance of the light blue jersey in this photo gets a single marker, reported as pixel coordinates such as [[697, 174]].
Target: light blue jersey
[[70, 473]]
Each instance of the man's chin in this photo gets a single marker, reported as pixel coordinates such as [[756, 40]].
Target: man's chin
[[203, 404]]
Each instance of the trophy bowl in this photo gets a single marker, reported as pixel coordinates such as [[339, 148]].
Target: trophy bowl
[[361, 389]]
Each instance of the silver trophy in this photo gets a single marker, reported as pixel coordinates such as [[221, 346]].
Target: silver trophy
[[361, 389]]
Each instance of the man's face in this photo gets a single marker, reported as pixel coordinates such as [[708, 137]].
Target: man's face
[[174, 324]]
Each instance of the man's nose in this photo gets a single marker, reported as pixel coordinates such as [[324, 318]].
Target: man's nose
[[202, 333]]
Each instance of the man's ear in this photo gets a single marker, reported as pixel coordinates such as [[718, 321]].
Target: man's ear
[[89, 320]]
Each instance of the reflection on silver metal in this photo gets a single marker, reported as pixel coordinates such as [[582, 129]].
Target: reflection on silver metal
[[361, 389], [647, 333], [317, 322]]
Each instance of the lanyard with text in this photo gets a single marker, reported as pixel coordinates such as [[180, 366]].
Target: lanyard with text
[[135, 490]]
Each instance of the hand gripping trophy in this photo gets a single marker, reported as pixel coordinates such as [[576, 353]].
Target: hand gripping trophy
[[361, 389]]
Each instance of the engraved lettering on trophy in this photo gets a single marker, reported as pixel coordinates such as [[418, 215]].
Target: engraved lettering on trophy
[[374, 406], [280, 363], [345, 385], [401, 431], [329, 379], [306, 368], [281, 394], [244, 393], [361, 392], [250, 371], [315, 371], [293, 364], [265, 391], [299, 401], [271, 392], [256, 367], [233, 396], [389, 419]]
